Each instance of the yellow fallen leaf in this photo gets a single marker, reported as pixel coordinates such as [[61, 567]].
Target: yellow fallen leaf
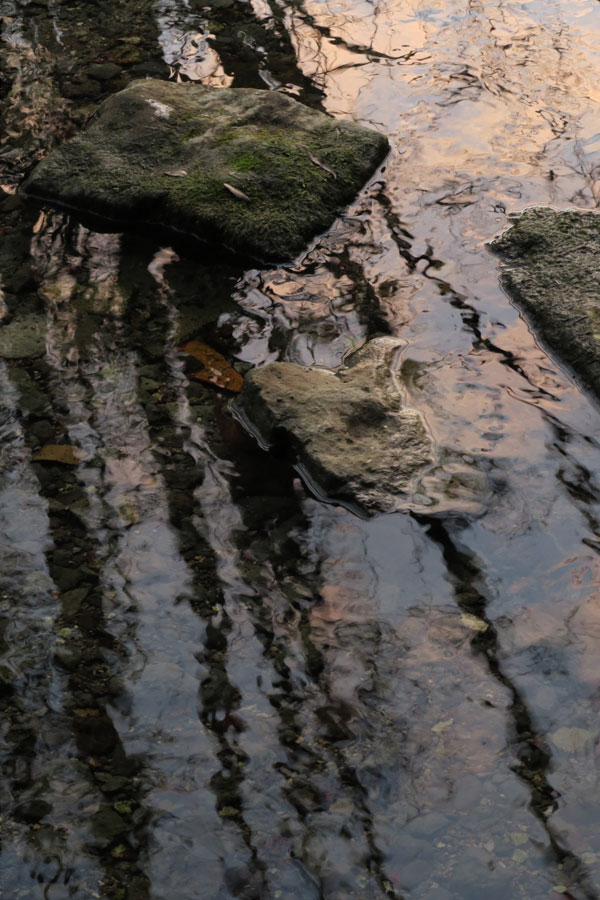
[[65, 454], [473, 622], [215, 368]]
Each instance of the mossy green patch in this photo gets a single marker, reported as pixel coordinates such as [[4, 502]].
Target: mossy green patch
[[247, 162], [552, 270]]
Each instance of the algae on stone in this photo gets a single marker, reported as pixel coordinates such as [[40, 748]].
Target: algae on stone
[[24, 336], [552, 268], [347, 428], [162, 154]]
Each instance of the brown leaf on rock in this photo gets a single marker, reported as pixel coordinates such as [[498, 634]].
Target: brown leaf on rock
[[236, 192], [323, 165], [65, 454], [215, 368]]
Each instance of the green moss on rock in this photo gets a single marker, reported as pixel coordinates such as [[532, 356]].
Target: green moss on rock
[[161, 153], [552, 270]]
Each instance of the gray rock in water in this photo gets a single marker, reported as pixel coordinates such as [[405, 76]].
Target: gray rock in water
[[347, 429], [552, 268], [253, 170]]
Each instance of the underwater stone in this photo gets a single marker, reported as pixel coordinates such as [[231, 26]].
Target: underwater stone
[[32, 811], [347, 428], [104, 71], [24, 336], [252, 170], [107, 825], [552, 269]]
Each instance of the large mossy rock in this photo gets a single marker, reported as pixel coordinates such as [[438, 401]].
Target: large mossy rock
[[552, 269], [161, 154], [348, 429]]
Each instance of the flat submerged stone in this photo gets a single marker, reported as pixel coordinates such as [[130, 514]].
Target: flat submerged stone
[[552, 269], [24, 337], [252, 170], [347, 428]]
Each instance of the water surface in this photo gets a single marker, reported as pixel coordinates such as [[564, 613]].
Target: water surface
[[214, 684]]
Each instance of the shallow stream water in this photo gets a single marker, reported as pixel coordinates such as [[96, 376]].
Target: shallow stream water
[[213, 684]]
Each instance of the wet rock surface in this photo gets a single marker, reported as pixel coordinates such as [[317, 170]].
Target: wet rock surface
[[552, 268], [348, 429], [252, 170]]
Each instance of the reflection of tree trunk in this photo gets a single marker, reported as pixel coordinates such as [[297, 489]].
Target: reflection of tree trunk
[[468, 580], [89, 682], [248, 45], [185, 476]]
